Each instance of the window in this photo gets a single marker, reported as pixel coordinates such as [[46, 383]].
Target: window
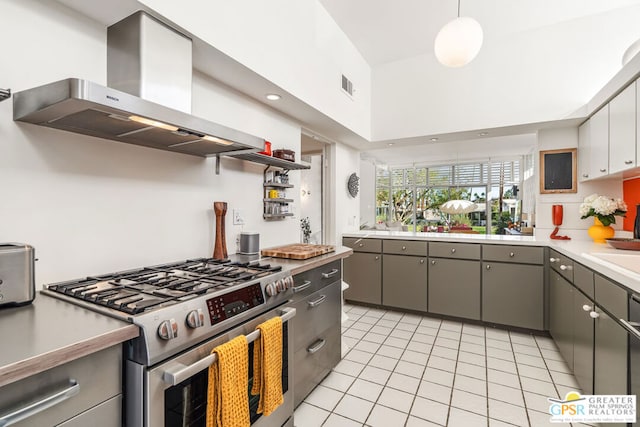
[[412, 196]]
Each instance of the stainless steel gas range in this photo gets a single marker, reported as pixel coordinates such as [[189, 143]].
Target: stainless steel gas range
[[184, 310]]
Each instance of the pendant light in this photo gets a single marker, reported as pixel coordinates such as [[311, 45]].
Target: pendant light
[[459, 41]]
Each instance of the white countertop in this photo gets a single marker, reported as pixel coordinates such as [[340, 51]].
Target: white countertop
[[582, 251]]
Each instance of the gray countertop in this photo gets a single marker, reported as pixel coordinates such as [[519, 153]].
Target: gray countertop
[[50, 332], [583, 251]]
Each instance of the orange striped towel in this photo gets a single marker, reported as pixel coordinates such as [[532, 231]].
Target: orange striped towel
[[227, 398], [267, 366]]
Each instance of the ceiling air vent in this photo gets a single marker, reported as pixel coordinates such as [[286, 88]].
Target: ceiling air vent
[[347, 85]]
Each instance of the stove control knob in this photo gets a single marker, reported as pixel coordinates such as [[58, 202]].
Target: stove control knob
[[168, 329], [271, 289], [288, 282], [280, 285], [195, 318]]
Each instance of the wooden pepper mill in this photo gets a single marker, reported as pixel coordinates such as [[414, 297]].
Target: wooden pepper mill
[[220, 248]]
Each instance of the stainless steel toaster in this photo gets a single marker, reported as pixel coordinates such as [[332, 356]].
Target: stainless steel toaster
[[17, 280]]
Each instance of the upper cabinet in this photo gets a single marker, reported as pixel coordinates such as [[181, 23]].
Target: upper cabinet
[[622, 130], [609, 140], [599, 143]]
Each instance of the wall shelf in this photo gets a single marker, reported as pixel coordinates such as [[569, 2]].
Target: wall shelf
[[282, 215], [271, 161], [277, 185], [277, 200]]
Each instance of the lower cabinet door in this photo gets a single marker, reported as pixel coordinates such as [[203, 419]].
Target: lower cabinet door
[[404, 282], [512, 294], [610, 356], [454, 287], [314, 361], [363, 273], [583, 342], [561, 315]]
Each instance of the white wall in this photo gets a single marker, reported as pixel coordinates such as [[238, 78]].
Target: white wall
[[92, 206], [525, 77], [572, 225], [293, 43], [367, 193], [347, 208], [311, 200]]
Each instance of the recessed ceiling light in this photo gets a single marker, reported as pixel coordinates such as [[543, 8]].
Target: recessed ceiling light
[[433, 139], [273, 96], [483, 134], [390, 144]]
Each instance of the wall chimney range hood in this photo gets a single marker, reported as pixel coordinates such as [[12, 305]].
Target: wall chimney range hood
[[144, 73]]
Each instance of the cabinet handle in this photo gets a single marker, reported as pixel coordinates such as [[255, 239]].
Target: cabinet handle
[[453, 250], [404, 248], [594, 315], [488, 267], [511, 254], [585, 175], [360, 245], [554, 259], [628, 162], [317, 346], [631, 327], [586, 307], [603, 170], [302, 287], [317, 302], [565, 267], [39, 406], [330, 274], [433, 262], [421, 261], [377, 257]]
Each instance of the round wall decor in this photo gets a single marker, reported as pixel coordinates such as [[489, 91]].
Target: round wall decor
[[352, 184]]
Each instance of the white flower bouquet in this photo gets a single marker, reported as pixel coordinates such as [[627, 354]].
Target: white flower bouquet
[[602, 207]]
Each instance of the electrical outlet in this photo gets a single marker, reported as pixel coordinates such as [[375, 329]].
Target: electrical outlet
[[238, 218]]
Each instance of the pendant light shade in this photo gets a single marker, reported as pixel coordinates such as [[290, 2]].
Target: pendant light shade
[[459, 41]]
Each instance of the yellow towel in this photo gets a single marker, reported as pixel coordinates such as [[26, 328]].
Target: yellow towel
[[227, 399], [267, 366]]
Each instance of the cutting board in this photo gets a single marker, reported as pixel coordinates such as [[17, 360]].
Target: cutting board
[[297, 251]]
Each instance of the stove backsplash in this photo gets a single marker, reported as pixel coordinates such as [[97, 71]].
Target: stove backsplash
[[88, 205]]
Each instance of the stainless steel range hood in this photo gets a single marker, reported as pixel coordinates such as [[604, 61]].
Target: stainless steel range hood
[[81, 106]]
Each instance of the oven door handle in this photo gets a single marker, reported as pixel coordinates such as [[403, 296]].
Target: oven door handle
[[179, 373], [631, 327], [39, 406]]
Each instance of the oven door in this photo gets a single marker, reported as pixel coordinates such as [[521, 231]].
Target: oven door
[[175, 392]]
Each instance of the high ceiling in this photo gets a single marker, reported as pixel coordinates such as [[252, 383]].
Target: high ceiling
[[385, 31]]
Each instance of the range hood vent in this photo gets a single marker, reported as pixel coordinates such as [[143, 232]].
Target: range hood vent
[[148, 63], [81, 106]]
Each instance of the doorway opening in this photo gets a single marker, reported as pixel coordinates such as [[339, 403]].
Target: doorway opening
[[312, 187]]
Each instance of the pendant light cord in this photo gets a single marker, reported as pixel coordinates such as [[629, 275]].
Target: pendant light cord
[[458, 8]]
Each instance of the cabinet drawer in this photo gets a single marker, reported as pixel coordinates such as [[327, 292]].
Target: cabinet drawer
[[583, 279], [98, 376], [611, 297], [508, 253], [106, 414], [363, 245], [304, 284], [454, 250], [561, 264], [315, 360], [404, 247], [316, 313]]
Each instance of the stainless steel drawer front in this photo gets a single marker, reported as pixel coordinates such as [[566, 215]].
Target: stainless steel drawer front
[[315, 314]]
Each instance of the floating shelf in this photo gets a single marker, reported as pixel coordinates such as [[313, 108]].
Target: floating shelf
[[277, 200], [269, 160], [282, 215], [277, 185]]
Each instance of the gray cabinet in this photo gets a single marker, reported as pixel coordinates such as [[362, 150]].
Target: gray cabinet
[[404, 282], [363, 273], [583, 325], [512, 294], [316, 326], [454, 287], [561, 314]]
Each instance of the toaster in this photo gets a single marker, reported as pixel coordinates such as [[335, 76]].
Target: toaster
[[17, 280]]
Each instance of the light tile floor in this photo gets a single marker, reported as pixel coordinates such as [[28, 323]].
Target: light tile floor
[[417, 371]]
